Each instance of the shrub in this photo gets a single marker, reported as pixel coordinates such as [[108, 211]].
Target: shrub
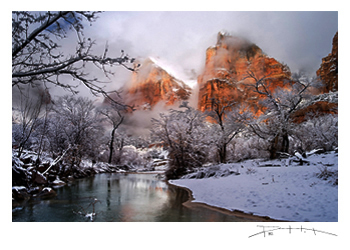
[[327, 174]]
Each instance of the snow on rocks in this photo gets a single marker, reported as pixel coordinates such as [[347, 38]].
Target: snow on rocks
[[40, 178], [47, 193], [280, 189], [19, 188], [58, 182], [20, 193]]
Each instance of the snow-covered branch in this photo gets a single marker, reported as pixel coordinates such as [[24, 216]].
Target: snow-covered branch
[[38, 57], [57, 160]]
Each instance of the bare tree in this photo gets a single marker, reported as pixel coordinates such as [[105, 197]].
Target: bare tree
[[55, 135], [28, 116], [80, 126], [38, 58], [279, 105], [41, 131], [229, 122], [114, 116]]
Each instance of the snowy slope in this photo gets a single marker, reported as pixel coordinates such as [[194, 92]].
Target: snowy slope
[[289, 192], [174, 71]]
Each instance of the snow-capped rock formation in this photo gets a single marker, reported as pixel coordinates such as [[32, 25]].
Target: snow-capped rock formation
[[152, 84]]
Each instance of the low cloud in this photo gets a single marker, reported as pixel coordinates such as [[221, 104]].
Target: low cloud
[[140, 121]]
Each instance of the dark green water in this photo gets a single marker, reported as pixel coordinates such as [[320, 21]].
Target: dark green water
[[120, 197]]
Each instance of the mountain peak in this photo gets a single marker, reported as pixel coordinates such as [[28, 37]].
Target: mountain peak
[[155, 82], [226, 67]]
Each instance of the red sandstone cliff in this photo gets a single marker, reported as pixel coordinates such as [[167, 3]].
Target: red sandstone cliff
[[328, 71], [152, 84], [225, 74], [327, 100], [225, 78]]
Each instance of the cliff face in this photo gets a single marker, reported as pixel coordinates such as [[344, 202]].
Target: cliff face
[[225, 78], [152, 84], [328, 71], [225, 75]]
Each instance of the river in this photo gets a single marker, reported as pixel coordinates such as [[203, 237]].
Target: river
[[116, 198]]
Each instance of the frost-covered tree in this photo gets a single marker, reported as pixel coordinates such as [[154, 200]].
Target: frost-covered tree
[[185, 133], [39, 57], [55, 135], [27, 117], [279, 106], [229, 121], [78, 128], [40, 140]]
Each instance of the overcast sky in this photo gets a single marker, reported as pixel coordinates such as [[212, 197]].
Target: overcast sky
[[300, 39], [180, 39]]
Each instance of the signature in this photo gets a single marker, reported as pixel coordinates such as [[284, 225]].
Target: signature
[[270, 230]]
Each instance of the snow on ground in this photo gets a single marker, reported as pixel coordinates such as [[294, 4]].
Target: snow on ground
[[290, 192]]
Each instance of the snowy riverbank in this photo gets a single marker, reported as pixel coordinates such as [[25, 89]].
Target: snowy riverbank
[[280, 189]]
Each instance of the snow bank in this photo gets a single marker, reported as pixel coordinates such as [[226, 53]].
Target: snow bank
[[280, 189], [47, 189], [19, 188]]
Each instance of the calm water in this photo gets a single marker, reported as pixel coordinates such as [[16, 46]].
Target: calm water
[[120, 197]]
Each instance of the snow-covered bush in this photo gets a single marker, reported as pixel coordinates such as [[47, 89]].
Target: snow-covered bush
[[326, 173], [251, 170], [156, 153], [251, 147], [220, 170], [135, 158], [316, 132], [186, 135]]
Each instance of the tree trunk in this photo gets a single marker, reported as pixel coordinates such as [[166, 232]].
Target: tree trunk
[[273, 148], [222, 153], [111, 147], [285, 142]]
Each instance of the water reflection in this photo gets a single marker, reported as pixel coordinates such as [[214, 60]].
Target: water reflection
[[122, 197]]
